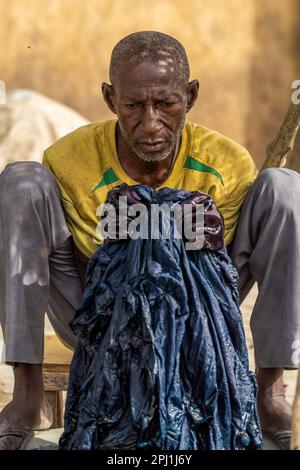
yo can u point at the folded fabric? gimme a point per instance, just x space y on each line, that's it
162 359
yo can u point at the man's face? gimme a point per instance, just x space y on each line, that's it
150 103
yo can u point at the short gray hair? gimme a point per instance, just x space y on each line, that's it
149 46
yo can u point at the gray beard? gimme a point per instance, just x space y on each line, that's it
153 157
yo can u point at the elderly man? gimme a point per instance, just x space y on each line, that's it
48 223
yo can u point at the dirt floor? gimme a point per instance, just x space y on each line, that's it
290 376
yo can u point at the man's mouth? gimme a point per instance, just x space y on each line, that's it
152 146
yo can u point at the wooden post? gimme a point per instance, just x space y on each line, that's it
283 143
56 403
56 376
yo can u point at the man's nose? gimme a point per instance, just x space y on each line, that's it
150 121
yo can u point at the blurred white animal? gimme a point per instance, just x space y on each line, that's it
30 122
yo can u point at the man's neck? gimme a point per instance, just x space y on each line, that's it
149 173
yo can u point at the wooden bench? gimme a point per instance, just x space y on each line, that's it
56 376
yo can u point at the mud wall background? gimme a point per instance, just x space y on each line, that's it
246 54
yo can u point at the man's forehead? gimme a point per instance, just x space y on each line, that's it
162 73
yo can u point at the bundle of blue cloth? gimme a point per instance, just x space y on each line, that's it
162 360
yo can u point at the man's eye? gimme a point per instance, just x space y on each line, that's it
166 104
133 105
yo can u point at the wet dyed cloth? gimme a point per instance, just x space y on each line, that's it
162 359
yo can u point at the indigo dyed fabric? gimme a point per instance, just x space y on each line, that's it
162 360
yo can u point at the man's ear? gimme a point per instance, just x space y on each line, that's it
109 96
192 94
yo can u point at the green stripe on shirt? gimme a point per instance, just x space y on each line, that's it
193 164
109 176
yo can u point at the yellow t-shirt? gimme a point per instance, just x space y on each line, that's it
86 166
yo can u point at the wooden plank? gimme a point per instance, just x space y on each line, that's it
54 368
55 381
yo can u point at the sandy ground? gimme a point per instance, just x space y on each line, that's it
290 376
